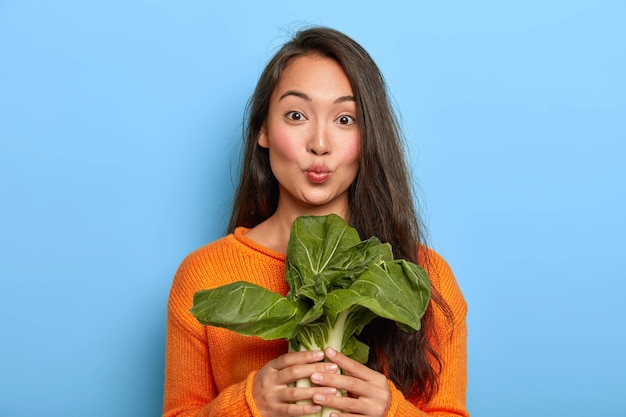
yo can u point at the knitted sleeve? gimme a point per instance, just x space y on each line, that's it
451 341
190 388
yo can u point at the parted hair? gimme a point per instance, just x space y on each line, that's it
381 198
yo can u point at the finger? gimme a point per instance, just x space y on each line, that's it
350 366
352 406
377 387
297 394
347 383
297 372
296 358
346 404
301 409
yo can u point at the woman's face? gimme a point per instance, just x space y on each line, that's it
312 136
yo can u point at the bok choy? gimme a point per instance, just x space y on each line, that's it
338 284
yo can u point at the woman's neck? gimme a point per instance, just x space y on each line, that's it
274 232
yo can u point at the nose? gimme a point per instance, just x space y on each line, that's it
319 143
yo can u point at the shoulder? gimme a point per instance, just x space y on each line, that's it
206 267
197 269
203 268
230 258
211 265
201 258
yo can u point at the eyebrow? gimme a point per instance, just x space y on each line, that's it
304 96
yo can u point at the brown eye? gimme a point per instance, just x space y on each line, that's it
295 116
345 120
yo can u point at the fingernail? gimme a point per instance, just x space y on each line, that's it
316 377
332 367
316 408
330 391
331 352
318 354
319 398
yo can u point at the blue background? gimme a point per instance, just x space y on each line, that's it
120 124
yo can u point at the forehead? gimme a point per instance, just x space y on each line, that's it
314 73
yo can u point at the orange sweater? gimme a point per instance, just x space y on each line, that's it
209 371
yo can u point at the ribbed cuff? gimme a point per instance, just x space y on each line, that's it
396 397
249 399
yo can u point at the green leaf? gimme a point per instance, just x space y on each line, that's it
325 253
314 336
396 290
357 350
338 284
316 251
248 309
358 318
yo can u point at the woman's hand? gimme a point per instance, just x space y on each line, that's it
369 393
271 391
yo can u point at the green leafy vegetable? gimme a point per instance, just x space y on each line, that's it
338 284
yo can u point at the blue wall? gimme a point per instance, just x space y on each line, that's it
119 129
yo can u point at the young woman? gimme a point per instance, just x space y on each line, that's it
321 138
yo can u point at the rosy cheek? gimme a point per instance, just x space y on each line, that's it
356 150
352 149
283 143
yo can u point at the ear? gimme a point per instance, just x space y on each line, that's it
262 140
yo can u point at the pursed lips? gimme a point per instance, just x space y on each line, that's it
317 173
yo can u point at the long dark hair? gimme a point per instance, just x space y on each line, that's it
381 198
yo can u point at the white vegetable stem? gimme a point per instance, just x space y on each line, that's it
335 341
335 335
